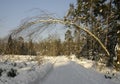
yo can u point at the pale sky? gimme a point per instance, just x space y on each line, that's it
13 11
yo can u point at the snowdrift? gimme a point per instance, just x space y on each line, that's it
28 74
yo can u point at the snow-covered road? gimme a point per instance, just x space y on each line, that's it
69 72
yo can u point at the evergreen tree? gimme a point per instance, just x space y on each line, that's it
68 42
10 45
68 36
31 48
99 16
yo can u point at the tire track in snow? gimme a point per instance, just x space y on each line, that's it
40 79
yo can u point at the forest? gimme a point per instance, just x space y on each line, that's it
92 31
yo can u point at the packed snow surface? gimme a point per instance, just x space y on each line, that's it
70 72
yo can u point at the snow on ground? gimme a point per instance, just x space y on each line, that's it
56 70
70 71
23 72
89 64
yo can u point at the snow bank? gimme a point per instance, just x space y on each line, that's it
28 74
84 62
19 58
33 75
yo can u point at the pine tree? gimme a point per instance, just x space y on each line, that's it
31 47
68 42
101 17
10 45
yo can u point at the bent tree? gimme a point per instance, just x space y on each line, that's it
48 21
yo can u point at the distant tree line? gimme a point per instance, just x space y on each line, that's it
17 47
53 46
